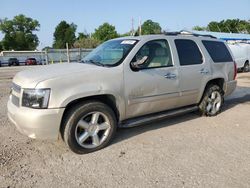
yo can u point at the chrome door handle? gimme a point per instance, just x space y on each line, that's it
170 76
204 71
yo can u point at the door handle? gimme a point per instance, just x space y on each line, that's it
170 76
204 71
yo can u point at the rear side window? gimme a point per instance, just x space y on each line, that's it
218 51
188 52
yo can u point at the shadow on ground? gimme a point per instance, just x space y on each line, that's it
126 133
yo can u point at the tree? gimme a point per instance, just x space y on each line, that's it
46 48
150 27
18 33
105 32
82 36
229 26
86 43
64 33
198 28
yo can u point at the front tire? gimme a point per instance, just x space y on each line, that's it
89 127
246 67
212 101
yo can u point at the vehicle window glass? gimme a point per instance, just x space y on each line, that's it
158 53
111 53
218 51
188 52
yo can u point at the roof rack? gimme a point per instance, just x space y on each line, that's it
183 32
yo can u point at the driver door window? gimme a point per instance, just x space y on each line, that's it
158 55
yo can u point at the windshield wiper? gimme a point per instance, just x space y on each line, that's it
94 62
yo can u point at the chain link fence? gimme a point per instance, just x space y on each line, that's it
49 56
62 55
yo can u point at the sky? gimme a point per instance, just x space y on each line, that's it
87 15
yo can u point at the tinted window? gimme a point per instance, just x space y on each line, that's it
157 52
218 51
188 52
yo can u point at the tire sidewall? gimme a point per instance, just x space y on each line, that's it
203 105
76 114
246 67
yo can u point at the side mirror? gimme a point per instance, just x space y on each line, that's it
138 64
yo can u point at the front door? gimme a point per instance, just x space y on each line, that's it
154 86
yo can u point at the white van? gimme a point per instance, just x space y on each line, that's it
241 53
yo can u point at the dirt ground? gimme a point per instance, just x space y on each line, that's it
184 151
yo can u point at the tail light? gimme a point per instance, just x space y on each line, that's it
235 70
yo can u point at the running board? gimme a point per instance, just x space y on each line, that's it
157 116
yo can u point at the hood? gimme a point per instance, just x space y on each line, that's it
31 77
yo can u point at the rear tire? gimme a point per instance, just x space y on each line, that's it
246 67
212 101
88 127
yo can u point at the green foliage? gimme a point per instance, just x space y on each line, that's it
46 48
18 33
198 28
86 43
64 33
150 27
229 25
125 34
105 32
82 36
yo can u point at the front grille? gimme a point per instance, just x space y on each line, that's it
16 88
15 100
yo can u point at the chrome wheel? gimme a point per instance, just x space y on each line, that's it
246 67
92 130
214 102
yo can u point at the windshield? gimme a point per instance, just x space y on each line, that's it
110 53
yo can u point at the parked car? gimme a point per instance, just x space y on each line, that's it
13 61
124 82
241 53
0 63
31 61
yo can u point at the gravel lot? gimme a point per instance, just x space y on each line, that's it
185 151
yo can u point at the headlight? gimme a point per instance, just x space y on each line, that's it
36 98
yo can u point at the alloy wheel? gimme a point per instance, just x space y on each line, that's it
92 130
214 103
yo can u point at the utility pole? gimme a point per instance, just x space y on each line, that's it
140 30
67 46
228 29
132 27
237 30
218 28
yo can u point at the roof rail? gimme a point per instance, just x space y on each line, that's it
183 32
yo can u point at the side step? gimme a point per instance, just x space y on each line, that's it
156 116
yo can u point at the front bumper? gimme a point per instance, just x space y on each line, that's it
230 87
36 123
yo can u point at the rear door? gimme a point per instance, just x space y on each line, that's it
194 70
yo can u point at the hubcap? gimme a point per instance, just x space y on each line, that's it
246 68
214 103
92 130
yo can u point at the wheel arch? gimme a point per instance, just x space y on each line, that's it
215 81
107 99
